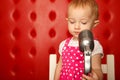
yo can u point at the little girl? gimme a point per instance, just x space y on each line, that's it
82 15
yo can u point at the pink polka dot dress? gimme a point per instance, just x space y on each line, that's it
72 62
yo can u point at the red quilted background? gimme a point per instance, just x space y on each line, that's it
30 30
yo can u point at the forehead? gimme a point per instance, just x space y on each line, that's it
80 11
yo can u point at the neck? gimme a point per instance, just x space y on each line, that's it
75 39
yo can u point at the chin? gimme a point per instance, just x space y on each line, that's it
75 37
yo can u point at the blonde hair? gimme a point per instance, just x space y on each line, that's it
82 3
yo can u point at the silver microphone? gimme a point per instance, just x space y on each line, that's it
86 45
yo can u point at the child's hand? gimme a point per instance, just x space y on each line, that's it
91 76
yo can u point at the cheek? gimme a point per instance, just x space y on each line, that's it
70 27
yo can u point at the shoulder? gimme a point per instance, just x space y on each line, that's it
62 43
97 44
98 49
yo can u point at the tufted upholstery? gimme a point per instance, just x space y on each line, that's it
30 30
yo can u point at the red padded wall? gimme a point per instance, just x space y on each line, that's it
108 31
30 30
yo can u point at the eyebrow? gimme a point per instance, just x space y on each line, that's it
69 18
78 19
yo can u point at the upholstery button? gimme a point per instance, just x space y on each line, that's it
52 50
33 1
15 70
33 16
52 15
16 1
68 1
52 33
32 52
106 16
33 33
15 51
15 15
106 34
106 1
52 0
16 33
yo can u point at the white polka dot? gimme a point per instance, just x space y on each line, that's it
70 74
68 53
77 58
80 61
69 64
81 55
71 50
74 54
78 51
81 71
64 48
68 60
66 70
73 60
76 68
76 64
75 76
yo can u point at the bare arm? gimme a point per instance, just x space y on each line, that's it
58 69
96 66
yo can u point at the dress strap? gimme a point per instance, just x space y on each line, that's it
67 41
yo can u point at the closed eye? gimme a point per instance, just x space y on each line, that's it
84 23
72 22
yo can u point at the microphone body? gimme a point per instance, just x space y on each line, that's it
86 45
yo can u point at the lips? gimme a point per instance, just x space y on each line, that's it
76 33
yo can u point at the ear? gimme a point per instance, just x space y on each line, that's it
96 22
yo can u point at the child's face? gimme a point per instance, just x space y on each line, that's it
79 19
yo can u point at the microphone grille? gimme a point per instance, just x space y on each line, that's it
86 39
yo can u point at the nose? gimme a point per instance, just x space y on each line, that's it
77 25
